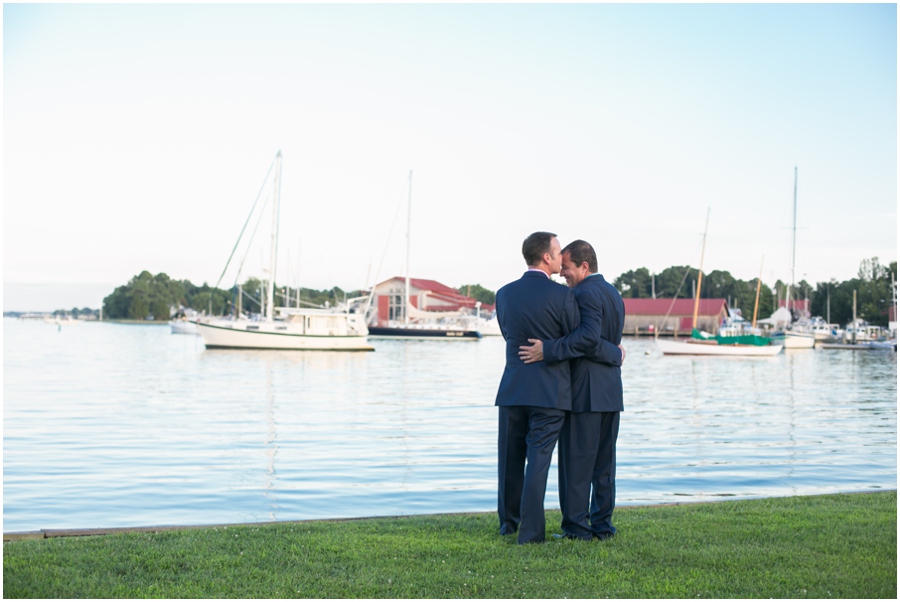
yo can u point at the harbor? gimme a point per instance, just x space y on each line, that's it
112 425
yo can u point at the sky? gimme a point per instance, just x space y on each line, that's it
137 137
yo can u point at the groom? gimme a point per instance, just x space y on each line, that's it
587 442
532 398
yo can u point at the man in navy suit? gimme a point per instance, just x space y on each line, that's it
587 442
532 398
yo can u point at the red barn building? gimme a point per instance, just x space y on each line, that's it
672 318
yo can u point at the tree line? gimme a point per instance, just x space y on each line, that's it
148 296
154 297
831 299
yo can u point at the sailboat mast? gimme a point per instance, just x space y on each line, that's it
758 283
406 300
270 295
793 245
700 274
893 308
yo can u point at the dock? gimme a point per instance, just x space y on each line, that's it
855 347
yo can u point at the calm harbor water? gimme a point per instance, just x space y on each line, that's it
108 425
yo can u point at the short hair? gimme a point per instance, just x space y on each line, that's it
535 246
580 251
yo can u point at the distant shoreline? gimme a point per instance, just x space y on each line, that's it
136 322
36 315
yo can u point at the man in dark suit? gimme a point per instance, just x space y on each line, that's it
587 442
533 398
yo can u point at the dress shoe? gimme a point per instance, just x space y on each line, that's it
569 536
508 529
603 536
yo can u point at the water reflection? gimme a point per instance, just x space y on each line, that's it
114 425
772 426
271 444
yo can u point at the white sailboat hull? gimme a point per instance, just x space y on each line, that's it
183 327
489 328
798 340
275 335
685 348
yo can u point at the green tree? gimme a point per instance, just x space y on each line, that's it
874 296
766 302
670 279
213 302
201 298
252 296
635 284
835 300
144 295
718 284
311 297
479 293
115 305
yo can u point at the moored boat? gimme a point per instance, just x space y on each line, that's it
823 331
61 320
294 328
734 338
423 325
183 326
302 329
860 331
794 340
488 327
696 347
424 331
867 346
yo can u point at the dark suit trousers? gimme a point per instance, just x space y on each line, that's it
527 436
587 460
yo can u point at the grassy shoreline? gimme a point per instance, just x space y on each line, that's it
827 546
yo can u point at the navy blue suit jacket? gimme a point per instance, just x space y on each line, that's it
596 368
535 307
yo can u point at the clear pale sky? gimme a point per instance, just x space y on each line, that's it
136 137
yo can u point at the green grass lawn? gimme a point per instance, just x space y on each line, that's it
829 546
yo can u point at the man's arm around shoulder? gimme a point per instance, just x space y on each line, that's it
585 341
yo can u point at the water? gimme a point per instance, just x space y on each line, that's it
109 425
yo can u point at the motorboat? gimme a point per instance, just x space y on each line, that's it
860 331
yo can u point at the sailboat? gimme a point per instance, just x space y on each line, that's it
725 344
794 337
418 324
286 328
